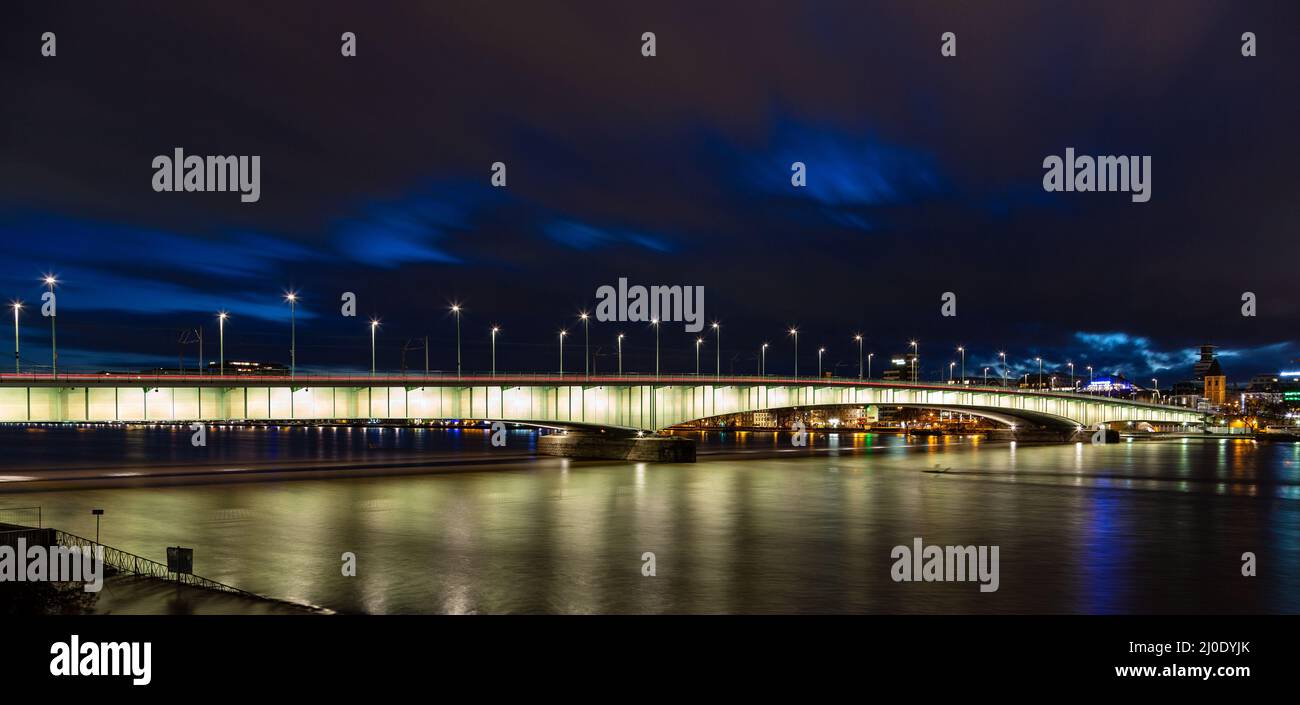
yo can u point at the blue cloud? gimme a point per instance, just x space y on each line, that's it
582 236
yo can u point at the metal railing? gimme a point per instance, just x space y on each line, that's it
138 565
7 512
115 558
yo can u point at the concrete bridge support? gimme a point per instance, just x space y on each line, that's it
603 446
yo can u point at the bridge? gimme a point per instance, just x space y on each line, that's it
622 402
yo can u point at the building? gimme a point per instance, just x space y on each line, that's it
1208 372
899 368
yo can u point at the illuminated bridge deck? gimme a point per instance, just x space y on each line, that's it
627 401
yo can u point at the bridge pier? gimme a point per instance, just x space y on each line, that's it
601 446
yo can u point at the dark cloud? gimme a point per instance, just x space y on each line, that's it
924 175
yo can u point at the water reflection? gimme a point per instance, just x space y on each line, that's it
751 528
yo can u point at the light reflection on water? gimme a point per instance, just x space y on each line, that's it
751 528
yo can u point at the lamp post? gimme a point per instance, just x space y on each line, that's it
916 362
620 353
292 298
655 322
762 361
795 333
698 343
986 376
1003 355
951 367
50 281
717 330
1071 364
962 350
455 308
1039 360
495 330
869 356
586 344
221 341
1090 378
859 339
820 352
374 324
1156 384
17 306
562 334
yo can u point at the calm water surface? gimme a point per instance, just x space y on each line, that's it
754 527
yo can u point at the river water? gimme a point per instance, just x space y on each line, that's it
442 522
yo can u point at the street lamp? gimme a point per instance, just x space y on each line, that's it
717 329
698 343
916 360
859 339
221 341
1090 378
495 330
17 306
951 367
562 334
586 344
1039 360
820 351
1071 364
50 281
655 322
374 324
795 333
1004 369
455 308
762 361
869 356
620 353
292 298
986 376
1156 384
962 350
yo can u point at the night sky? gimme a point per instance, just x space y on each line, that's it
924 176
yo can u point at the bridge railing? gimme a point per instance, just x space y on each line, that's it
410 378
